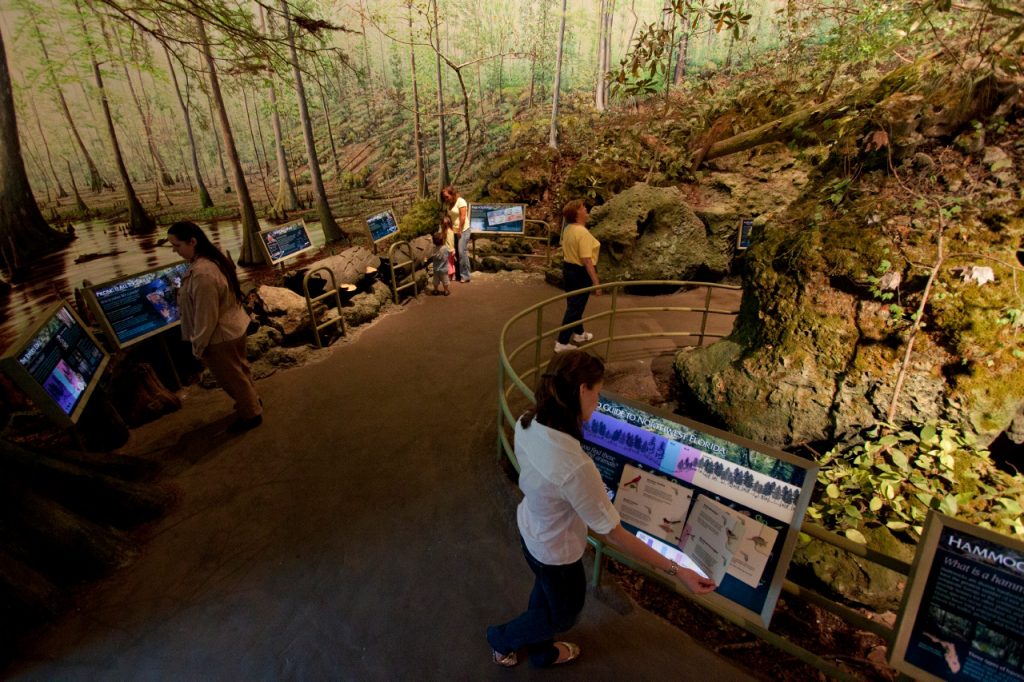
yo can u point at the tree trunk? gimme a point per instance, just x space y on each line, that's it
259 133
684 48
421 176
33 158
780 129
250 224
599 102
533 79
609 18
24 232
255 149
79 203
332 232
327 120
443 179
163 176
480 91
95 179
366 61
139 221
204 194
61 192
286 199
671 52
220 154
556 88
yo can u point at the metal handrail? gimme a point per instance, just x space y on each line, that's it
510 382
310 301
395 286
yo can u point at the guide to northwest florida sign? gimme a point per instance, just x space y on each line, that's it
711 501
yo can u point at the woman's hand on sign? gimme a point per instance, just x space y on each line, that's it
694 581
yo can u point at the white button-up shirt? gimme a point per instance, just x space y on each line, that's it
563 492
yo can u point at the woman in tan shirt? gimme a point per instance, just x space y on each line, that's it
213 319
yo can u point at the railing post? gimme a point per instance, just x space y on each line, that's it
537 349
595 575
611 323
704 315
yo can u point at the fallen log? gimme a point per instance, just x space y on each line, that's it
780 129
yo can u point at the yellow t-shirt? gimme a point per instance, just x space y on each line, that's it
578 243
454 211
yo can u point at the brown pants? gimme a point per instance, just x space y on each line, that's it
227 362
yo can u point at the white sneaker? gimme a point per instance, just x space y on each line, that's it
582 338
562 347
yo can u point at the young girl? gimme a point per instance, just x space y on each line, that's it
449 241
440 260
563 495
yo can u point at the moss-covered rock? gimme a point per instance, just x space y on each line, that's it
650 233
843 576
820 348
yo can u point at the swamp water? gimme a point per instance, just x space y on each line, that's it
57 275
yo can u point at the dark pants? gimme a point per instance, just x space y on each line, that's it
230 368
576 277
555 604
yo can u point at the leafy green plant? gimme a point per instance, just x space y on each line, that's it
896 476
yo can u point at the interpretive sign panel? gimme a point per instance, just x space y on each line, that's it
963 612
285 241
497 218
381 225
57 363
743 237
134 308
711 501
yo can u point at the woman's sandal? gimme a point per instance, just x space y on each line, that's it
568 652
508 660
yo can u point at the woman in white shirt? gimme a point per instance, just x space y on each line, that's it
563 496
458 209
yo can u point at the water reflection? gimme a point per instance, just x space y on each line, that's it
56 274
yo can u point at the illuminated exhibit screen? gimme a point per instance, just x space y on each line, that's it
963 611
58 364
714 502
285 241
133 308
497 218
382 225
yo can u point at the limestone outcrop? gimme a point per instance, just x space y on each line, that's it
651 233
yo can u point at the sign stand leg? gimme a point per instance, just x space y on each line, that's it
170 362
77 437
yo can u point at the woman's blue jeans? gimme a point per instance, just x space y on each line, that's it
463 247
555 604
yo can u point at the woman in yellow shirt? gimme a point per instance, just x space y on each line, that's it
580 250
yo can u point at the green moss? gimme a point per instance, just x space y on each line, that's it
424 217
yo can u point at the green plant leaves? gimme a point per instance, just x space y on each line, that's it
900 473
856 536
